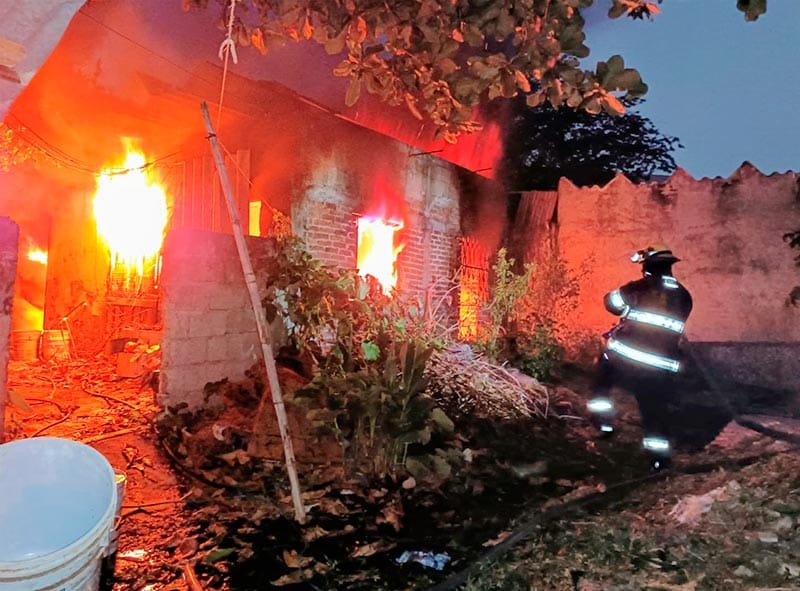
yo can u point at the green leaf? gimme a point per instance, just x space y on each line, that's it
637 90
217 555
442 421
534 100
441 467
422 436
617 10
574 99
752 9
612 105
473 36
446 65
479 69
344 68
371 350
417 469
627 78
353 92
614 66
592 106
363 289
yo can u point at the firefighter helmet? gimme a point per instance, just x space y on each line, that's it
655 253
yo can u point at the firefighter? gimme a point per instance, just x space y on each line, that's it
642 352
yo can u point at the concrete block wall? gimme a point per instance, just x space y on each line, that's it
209 325
728 233
9 238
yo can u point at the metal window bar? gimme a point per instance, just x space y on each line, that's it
474 287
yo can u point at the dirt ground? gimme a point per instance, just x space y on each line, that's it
634 544
85 401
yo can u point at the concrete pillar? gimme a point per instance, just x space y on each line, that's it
9 239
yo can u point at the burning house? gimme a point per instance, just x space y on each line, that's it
124 233
113 115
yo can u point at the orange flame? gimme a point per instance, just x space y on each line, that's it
37 255
378 249
131 213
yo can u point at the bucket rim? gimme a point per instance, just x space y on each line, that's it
95 533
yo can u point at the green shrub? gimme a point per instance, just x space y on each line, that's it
539 353
369 353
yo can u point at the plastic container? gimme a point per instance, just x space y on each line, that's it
24 345
59 501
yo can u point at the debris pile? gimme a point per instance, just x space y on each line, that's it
463 379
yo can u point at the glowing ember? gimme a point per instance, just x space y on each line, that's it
377 251
37 255
131 214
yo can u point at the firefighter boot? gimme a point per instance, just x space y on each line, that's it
602 414
658 452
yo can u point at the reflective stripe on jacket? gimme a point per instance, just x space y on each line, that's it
653 313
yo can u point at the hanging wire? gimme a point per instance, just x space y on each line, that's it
61 158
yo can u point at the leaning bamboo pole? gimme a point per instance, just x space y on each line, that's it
261 321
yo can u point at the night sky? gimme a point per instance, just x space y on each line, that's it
729 89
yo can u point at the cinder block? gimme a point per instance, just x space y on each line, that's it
176 324
209 324
218 348
187 296
240 320
183 352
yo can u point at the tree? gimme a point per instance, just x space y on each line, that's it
443 57
545 144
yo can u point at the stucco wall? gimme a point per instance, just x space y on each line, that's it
209 325
727 231
9 236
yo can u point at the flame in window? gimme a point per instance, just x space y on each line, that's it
131 213
378 248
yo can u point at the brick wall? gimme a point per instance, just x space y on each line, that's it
421 189
330 232
209 329
209 325
9 236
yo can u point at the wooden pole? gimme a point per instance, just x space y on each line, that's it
261 320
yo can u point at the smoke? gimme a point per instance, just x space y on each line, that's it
483 210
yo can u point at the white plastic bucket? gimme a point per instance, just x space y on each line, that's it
58 500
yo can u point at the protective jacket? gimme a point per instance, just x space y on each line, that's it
653 311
